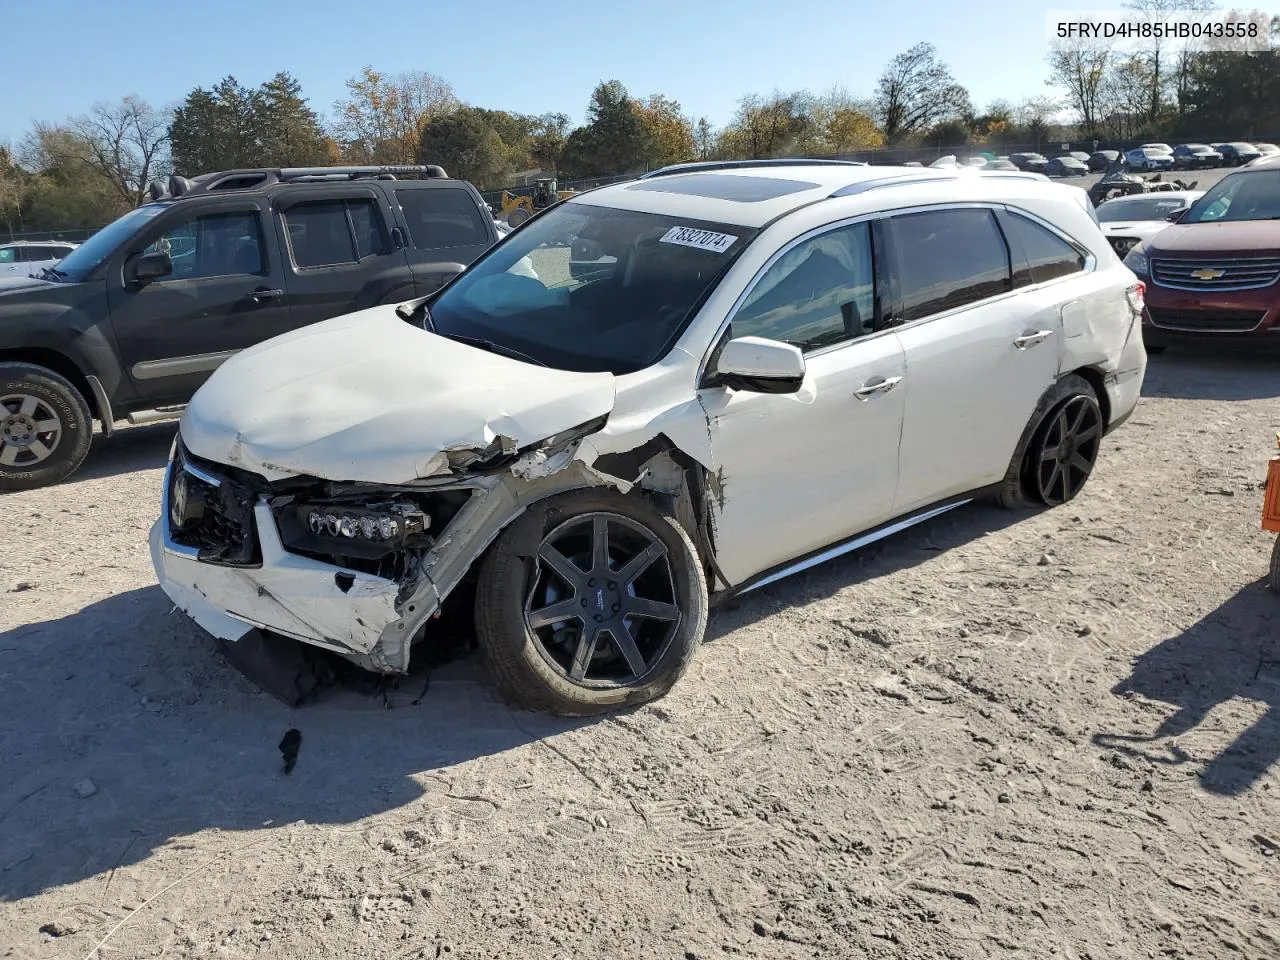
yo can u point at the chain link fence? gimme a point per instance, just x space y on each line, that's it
78 235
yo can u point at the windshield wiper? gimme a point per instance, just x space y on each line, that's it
47 273
501 349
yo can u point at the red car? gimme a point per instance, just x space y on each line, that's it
1212 274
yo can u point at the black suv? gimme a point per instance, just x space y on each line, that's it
135 319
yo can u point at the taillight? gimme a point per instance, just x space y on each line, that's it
1137 297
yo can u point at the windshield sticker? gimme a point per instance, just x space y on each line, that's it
700 239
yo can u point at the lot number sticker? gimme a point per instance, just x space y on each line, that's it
700 239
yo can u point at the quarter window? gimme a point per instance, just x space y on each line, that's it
324 233
440 217
820 292
213 245
1047 256
948 258
9 255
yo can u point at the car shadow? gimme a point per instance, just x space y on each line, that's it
1232 652
144 447
899 552
1214 372
122 728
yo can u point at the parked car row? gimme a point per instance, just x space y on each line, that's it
1212 272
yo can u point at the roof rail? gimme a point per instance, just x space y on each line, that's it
738 164
934 175
255 177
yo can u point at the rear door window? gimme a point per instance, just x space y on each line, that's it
325 233
442 217
948 258
1046 256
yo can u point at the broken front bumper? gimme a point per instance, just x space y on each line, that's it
347 611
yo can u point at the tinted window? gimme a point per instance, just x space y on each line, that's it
441 217
1139 208
214 245
818 293
947 258
1047 255
323 233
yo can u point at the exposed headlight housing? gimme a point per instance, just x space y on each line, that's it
368 528
395 524
1136 260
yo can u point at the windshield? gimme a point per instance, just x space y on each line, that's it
79 263
1242 196
1146 208
589 288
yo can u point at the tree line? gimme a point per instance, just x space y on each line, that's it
84 171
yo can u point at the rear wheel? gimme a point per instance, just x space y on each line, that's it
45 427
1274 581
588 602
1058 450
517 216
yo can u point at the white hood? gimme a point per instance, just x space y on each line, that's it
369 397
1142 229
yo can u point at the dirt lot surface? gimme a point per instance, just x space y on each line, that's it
1047 735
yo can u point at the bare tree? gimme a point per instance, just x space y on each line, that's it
915 92
381 119
1082 71
1186 59
127 142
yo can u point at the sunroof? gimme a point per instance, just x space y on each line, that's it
725 186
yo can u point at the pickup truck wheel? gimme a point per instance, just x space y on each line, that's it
1274 580
45 427
588 602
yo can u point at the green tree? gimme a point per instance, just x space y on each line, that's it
233 126
669 132
614 140
466 145
764 127
1235 92
547 140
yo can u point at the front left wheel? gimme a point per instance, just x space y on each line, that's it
590 601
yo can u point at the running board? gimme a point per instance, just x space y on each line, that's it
154 416
855 544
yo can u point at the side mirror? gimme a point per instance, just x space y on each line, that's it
152 266
758 365
1177 215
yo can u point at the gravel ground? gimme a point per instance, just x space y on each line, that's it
1043 735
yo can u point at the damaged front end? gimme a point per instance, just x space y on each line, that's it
356 568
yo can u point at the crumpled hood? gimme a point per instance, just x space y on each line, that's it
369 397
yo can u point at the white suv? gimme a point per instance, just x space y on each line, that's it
28 257
764 368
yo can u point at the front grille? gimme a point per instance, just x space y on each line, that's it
1122 245
1206 321
211 511
1241 274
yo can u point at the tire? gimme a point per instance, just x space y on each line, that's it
1274 580
517 217
32 397
1029 481
549 666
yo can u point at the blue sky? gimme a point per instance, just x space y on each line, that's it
531 56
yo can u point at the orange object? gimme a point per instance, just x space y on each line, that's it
1271 499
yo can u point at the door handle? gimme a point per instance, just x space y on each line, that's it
258 296
1031 339
883 385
